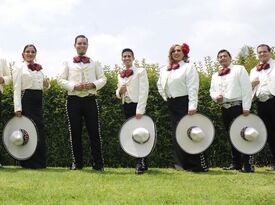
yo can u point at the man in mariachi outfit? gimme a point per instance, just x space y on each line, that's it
5 78
262 78
82 77
231 87
133 88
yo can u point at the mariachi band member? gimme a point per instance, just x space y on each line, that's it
178 84
28 85
133 88
262 78
231 87
5 78
82 78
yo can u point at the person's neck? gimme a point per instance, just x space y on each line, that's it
128 67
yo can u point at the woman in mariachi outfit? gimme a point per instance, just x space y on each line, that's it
29 82
178 84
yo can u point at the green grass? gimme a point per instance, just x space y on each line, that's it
122 186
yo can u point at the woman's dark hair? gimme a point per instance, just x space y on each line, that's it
29 45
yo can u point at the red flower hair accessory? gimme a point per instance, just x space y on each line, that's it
185 49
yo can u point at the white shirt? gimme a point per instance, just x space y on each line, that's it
180 82
75 73
24 78
233 86
137 88
5 73
266 78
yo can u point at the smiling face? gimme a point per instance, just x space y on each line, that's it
264 54
127 59
224 59
177 54
81 46
29 54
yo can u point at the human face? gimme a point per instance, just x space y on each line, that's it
263 54
177 54
81 46
29 54
127 59
224 59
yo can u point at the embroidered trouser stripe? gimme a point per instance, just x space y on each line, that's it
79 109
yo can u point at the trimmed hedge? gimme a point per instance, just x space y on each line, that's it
59 153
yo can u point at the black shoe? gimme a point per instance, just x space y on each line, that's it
139 169
232 167
271 169
75 167
99 169
248 169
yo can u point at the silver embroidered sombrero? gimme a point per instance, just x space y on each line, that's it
138 136
20 137
248 134
195 133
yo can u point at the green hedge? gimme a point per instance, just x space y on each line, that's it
111 120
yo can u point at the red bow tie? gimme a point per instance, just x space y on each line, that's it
35 66
262 66
224 71
83 59
126 73
173 66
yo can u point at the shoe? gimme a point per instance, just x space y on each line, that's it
75 167
1 166
232 167
271 169
99 169
178 167
248 169
139 169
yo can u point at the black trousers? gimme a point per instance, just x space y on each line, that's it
130 111
266 111
32 108
228 116
79 109
178 108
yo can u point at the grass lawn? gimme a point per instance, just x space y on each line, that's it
122 186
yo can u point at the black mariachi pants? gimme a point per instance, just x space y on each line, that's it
79 108
266 111
130 111
178 108
228 116
32 108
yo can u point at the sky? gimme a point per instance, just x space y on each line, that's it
149 27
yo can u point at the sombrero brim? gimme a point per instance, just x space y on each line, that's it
25 151
203 123
129 145
243 146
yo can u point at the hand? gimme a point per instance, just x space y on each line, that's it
219 99
122 89
78 87
139 116
2 80
88 86
46 82
255 82
246 112
18 113
192 112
